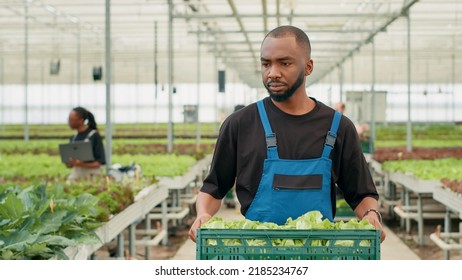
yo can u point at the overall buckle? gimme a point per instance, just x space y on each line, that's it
271 140
330 139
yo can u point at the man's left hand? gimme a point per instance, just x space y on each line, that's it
374 220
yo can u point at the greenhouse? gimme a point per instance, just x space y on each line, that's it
231 130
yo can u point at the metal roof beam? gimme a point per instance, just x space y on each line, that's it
317 51
406 6
307 31
265 13
342 42
241 25
278 12
312 15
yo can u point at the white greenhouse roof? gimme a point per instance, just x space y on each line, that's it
232 31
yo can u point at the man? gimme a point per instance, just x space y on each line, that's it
286 152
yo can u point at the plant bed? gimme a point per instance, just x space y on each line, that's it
120 147
152 197
449 198
27 168
453 185
435 170
400 153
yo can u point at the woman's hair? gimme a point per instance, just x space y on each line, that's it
86 116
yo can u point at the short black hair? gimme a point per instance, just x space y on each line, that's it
286 31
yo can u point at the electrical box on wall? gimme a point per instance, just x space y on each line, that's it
55 66
221 80
190 113
97 73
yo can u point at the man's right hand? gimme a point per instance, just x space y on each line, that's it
197 224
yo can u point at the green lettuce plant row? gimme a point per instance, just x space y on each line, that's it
436 169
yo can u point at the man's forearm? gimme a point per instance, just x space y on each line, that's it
366 204
207 204
369 206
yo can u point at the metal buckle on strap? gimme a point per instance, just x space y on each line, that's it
330 138
271 140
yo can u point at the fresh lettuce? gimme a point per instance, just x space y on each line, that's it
309 221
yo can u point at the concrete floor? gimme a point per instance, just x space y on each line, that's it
392 248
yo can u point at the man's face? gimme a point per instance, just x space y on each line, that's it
74 120
284 66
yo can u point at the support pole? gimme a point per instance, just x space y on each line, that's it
223 100
2 92
26 70
409 124
156 80
215 98
278 11
198 95
42 76
352 71
340 81
78 64
372 107
108 86
137 94
453 79
330 91
170 77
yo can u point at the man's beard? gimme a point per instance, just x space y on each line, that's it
281 97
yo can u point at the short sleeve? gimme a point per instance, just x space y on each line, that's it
222 174
98 148
354 179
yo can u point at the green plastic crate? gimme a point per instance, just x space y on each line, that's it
270 252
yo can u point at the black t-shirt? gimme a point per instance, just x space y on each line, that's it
241 150
96 143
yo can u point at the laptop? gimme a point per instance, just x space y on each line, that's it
80 150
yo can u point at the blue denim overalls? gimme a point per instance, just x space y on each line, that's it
290 188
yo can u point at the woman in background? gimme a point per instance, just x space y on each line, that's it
84 123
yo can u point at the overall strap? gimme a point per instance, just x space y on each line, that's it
271 143
331 135
90 135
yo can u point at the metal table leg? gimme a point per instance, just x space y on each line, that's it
403 201
407 203
131 240
392 195
164 222
447 229
420 220
176 203
120 245
147 225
